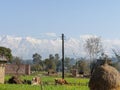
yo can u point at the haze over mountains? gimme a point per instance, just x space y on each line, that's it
25 47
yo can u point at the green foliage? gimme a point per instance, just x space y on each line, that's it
6 52
37 58
38 64
52 62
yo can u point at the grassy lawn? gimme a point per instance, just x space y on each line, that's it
44 87
76 84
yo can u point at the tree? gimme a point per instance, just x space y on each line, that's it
38 63
117 54
6 52
51 57
93 47
37 58
51 62
117 63
17 61
47 63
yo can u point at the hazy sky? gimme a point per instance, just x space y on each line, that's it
71 17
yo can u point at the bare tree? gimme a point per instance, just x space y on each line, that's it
17 61
117 56
93 47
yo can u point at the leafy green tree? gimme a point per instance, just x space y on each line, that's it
47 64
6 52
50 63
51 57
38 63
37 58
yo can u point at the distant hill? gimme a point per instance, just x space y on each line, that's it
26 47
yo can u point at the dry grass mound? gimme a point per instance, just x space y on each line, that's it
105 77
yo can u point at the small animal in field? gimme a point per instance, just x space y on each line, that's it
60 81
36 81
15 80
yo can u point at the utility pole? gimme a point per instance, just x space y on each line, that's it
62 56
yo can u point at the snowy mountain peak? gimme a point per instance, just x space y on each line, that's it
26 47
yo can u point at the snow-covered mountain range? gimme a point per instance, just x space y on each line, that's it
74 47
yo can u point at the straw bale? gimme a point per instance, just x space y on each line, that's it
105 77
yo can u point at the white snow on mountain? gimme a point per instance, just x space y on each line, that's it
74 47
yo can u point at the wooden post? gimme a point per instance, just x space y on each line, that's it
62 56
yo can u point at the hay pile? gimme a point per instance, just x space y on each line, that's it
105 77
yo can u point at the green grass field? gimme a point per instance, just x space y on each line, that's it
76 84
46 87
